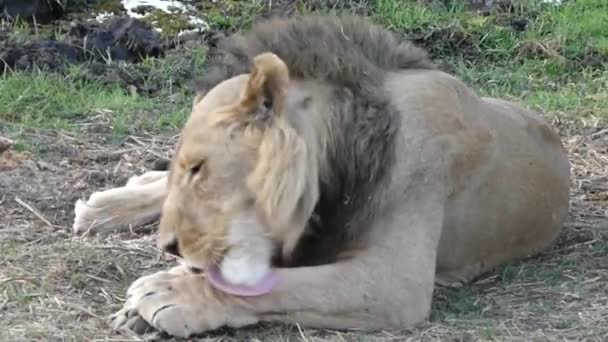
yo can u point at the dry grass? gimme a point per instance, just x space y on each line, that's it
58 287
55 286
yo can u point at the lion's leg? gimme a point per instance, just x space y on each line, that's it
389 285
135 204
355 295
146 178
359 293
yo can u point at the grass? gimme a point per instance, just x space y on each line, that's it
567 77
63 266
550 58
556 65
52 101
152 96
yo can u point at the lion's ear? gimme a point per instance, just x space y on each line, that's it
267 85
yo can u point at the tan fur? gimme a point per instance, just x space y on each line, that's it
476 182
133 205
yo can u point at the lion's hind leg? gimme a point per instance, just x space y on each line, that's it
137 203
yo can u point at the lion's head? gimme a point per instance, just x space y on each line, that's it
291 120
242 180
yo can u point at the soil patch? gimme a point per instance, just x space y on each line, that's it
110 53
48 187
46 11
78 281
121 38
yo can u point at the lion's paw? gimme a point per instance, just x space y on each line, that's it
88 217
176 302
137 203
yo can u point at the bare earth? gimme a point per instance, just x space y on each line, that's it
58 287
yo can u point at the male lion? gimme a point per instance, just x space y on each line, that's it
329 175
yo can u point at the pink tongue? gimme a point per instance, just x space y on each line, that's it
215 278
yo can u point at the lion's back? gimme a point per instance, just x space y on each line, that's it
507 173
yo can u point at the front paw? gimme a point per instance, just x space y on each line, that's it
178 303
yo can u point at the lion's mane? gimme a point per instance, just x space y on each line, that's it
354 57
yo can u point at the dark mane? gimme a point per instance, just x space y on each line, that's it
354 56
348 51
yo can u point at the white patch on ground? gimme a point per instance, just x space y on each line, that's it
158 4
102 16
169 6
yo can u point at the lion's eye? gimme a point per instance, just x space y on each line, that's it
197 168
267 103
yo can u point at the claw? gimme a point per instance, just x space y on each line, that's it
141 327
132 313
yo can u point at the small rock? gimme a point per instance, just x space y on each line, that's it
5 144
31 165
519 24
161 164
95 176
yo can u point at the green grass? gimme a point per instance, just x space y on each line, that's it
556 65
54 102
232 15
153 96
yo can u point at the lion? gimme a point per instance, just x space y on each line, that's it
331 175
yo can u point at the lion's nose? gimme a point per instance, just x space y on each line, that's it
172 248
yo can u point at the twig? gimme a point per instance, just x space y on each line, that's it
35 22
35 212
137 140
114 155
29 280
597 134
5 144
98 278
3 304
301 333
84 310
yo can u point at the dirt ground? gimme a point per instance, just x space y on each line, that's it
57 286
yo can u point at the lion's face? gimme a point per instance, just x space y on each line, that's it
235 180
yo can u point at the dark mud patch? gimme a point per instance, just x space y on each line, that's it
43 11
110 53
46 11
174 71
122 38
